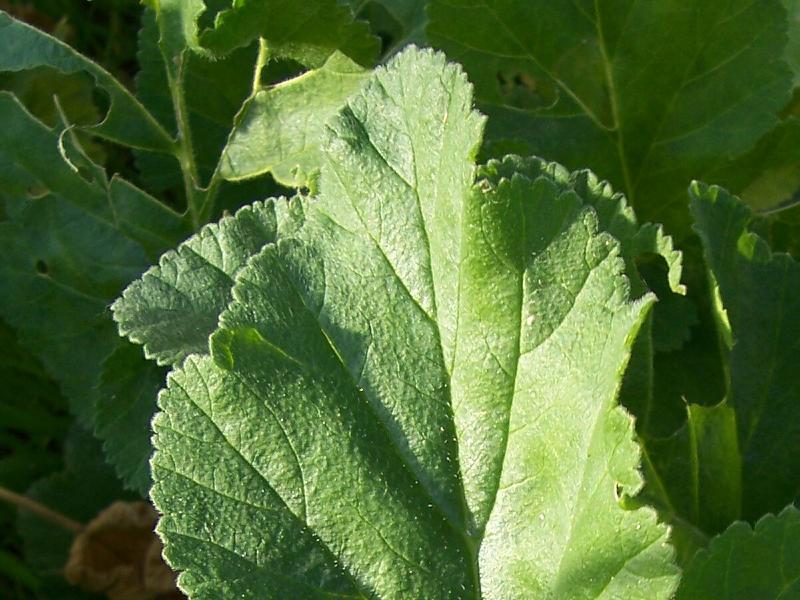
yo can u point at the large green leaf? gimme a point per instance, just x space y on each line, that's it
127 121
413 394
746 563
648 94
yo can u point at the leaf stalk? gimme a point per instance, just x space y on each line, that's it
41 510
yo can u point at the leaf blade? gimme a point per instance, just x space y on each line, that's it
330 383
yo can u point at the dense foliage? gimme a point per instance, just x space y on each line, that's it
311 291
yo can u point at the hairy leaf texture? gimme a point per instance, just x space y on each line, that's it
413 393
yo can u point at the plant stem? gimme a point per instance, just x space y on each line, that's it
206 206
261 61
37 508
185 150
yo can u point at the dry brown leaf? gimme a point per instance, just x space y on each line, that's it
118 554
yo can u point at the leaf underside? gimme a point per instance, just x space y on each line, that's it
413 391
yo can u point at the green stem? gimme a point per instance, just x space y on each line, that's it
211 195
206 207
41 510
261 61
195 198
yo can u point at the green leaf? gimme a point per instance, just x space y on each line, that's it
413 394
126 401
648 94
209 117
307 32
614 214
177 24
173 308
67 247
793 46
729 461
768 176
126 122
280 129
745 563
406 21
758 326
277 125
694 476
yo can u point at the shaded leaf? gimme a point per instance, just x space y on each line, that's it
648 95
745 563
126 401
694 476
759 329
127 122
308 33
69 245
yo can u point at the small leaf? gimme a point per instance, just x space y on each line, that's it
280 129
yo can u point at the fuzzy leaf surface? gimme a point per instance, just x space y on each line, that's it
417 366
175 305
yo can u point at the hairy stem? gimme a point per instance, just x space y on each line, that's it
261 61
195 198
